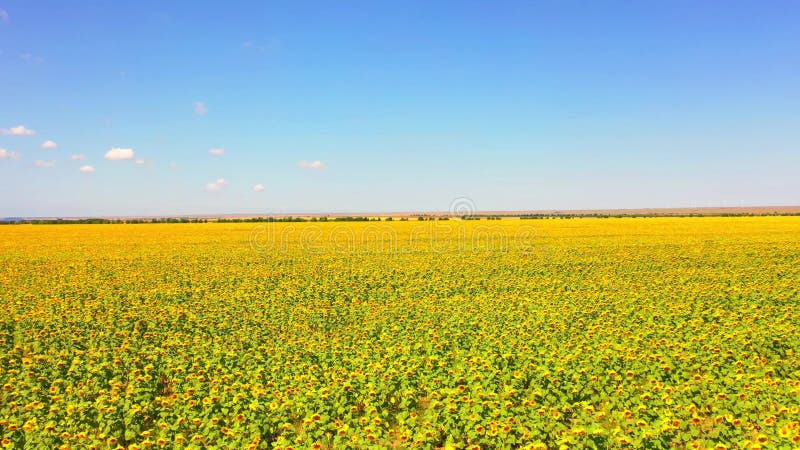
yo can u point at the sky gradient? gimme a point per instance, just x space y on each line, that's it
292 106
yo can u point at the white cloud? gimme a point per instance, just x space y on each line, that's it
139 161
40 163
311 165
49 145
87 169
76 157
19 130
3 16
258 188
5 154
200 108
118 154
216 186
217 151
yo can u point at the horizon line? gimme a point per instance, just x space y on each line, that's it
508 213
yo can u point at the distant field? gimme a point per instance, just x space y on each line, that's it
657 332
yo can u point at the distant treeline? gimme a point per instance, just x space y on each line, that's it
100 221
649 215
302 219
15 220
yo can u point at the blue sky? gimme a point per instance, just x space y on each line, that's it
396 106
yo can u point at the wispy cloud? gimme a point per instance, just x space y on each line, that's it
259 187
200 108
217 151
4 16
271 44
6 154
119 154
19 130
77 157
216 186
140 161
250 45
40 163
86 169
49 145
27 57
316 165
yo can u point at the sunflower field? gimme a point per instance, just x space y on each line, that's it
579 333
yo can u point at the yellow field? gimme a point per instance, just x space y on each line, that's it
660 332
